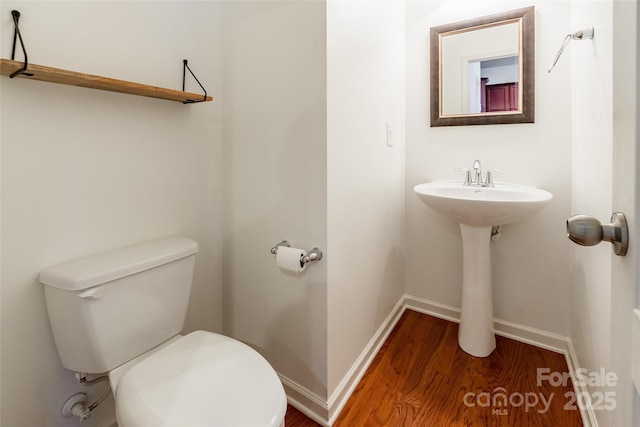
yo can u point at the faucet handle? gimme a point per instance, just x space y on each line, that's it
489 180
467 178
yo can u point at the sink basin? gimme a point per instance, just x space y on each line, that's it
483 206
477 210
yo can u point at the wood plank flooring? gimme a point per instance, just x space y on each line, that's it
421 377
295 418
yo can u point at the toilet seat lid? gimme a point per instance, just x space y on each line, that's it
201 379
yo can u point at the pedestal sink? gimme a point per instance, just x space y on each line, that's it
477 209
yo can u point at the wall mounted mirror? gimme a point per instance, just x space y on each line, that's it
483 70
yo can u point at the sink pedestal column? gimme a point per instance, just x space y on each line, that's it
475 334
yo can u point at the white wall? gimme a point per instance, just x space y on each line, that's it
531 278
365 91
274 113
84 171
501 74
605 133
306 104
605 118
626 135
591 64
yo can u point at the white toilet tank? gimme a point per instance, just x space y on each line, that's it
109 308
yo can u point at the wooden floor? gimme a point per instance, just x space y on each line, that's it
421 377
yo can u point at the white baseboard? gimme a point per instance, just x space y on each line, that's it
435 309
348 384
326 412
514 331
587 414
307 402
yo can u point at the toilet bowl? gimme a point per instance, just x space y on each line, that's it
120 313
201 379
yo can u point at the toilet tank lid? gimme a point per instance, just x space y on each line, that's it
105 267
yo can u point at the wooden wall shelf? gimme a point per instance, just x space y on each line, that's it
72 78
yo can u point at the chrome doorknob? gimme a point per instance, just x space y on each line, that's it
585 230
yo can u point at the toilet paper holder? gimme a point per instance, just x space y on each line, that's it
313 255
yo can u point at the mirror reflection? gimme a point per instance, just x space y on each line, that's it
482 70
498 89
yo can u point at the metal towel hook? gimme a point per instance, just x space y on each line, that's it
579 35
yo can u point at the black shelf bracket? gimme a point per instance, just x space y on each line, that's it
184 78
18 37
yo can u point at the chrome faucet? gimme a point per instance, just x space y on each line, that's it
475 180
477 174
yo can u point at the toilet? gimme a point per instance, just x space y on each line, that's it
121 313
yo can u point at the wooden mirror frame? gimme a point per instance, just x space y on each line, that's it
527 50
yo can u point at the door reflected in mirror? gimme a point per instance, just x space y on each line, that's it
475 64
498 88
482 70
